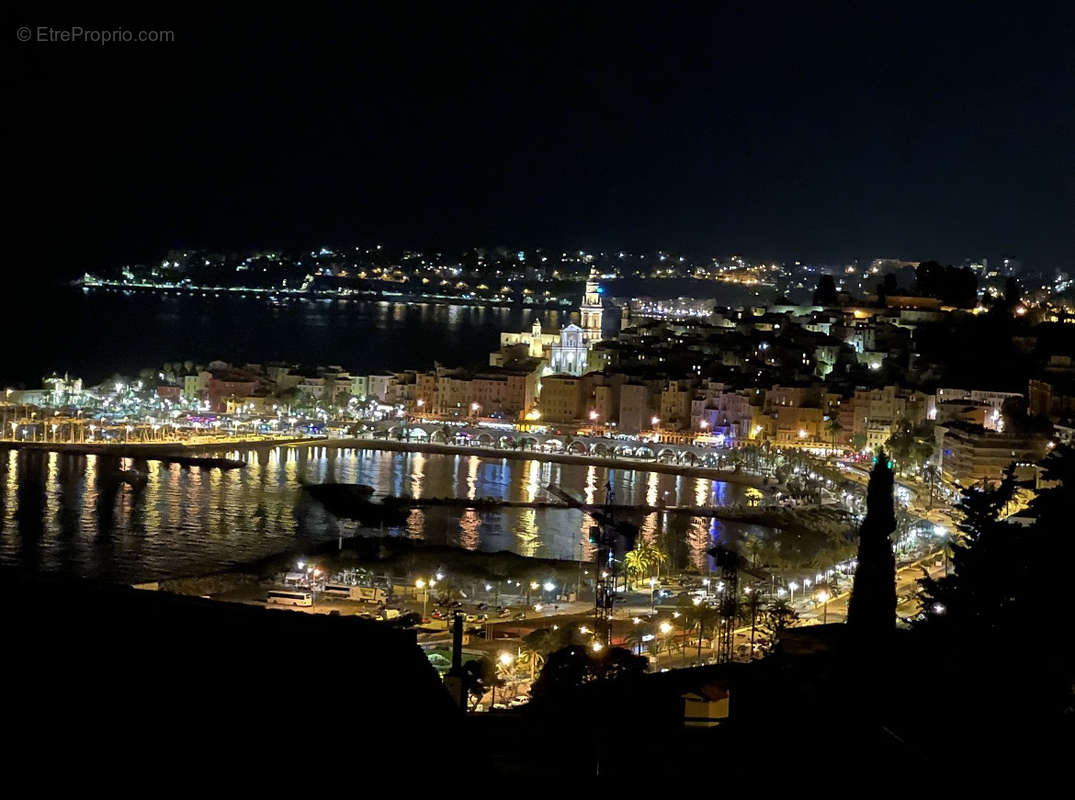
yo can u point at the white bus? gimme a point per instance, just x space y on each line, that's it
363 594
337 590
290 597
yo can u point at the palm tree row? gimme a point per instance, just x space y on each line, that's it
646 559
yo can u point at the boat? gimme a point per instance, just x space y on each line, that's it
133 477
353 501
206 462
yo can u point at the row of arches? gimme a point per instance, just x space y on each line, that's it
555 443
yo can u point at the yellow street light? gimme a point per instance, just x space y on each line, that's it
823 597
506 658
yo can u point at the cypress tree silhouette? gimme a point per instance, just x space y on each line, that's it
872 609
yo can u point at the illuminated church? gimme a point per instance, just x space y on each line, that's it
570 356
568 352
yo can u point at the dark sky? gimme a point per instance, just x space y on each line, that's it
822 135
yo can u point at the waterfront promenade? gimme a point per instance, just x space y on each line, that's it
155 450
614 462
229 444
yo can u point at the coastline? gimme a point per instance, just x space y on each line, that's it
727 476
151 450
154 450
287 295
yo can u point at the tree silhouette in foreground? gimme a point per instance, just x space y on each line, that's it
1003 616
825 293
872 608
479 677
1006 576
573 666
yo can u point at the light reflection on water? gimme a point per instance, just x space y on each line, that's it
69 514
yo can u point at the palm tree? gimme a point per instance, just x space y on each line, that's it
538 644
637 562
448 592
657 557
684 620
706 619
636 636
834 430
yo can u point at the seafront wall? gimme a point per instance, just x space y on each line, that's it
153 450
729 476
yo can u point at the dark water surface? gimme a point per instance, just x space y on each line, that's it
65 514
99 333
96 334
68 514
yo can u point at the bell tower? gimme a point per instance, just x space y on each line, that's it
592 310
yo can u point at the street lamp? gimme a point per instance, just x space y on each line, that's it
665 628
421 585
942 533
504 660
823 597
652 584
793 586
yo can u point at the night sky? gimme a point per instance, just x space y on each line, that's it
822 136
